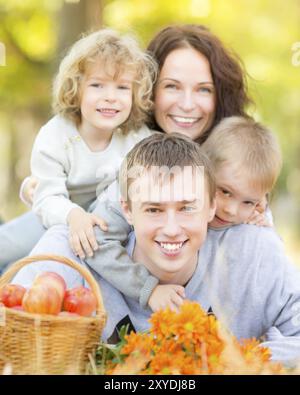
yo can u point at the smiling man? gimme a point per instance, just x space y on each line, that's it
240 273
170 214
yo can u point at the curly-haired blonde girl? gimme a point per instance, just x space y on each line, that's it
115 55
101 98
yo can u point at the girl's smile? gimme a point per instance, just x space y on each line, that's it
106 102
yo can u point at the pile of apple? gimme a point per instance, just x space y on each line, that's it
49 295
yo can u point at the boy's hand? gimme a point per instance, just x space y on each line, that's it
82 236
258 219
262 205
168 295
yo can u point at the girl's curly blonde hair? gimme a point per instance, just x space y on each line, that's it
117 53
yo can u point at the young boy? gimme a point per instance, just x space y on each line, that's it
247 161
240 273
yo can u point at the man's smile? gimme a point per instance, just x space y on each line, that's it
171 248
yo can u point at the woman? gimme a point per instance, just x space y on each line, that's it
199 83
198 79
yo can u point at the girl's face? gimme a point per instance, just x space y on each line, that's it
105 101
185 99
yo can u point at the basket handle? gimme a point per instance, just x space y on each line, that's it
13 270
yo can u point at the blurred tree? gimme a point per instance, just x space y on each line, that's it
34 44
76 18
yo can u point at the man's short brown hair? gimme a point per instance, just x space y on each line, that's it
166 151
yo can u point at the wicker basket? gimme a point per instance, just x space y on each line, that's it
48 344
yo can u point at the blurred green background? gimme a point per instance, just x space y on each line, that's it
34 35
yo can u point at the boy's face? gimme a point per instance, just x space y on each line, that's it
236 197
170 220
105 102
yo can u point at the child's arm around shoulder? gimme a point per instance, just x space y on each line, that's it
111 260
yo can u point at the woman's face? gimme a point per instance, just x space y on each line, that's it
185 99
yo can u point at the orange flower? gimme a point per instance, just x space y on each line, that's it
191 342
162 323
252 350
138 342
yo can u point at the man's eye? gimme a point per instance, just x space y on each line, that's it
187 208
152 210
248 203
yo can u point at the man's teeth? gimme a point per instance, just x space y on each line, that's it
185 119
171 247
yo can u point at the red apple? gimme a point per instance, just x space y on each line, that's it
42 298
80 300
54 279
12 295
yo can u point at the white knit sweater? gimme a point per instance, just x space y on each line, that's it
69 173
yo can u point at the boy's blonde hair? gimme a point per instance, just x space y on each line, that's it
169 151
117 53
248 145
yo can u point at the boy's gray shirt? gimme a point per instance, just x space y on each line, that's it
252 294
111 261
243 276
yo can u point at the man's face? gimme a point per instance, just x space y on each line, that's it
170 220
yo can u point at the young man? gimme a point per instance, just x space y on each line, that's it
241 274
246 161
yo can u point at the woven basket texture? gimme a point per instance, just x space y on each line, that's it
48 344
